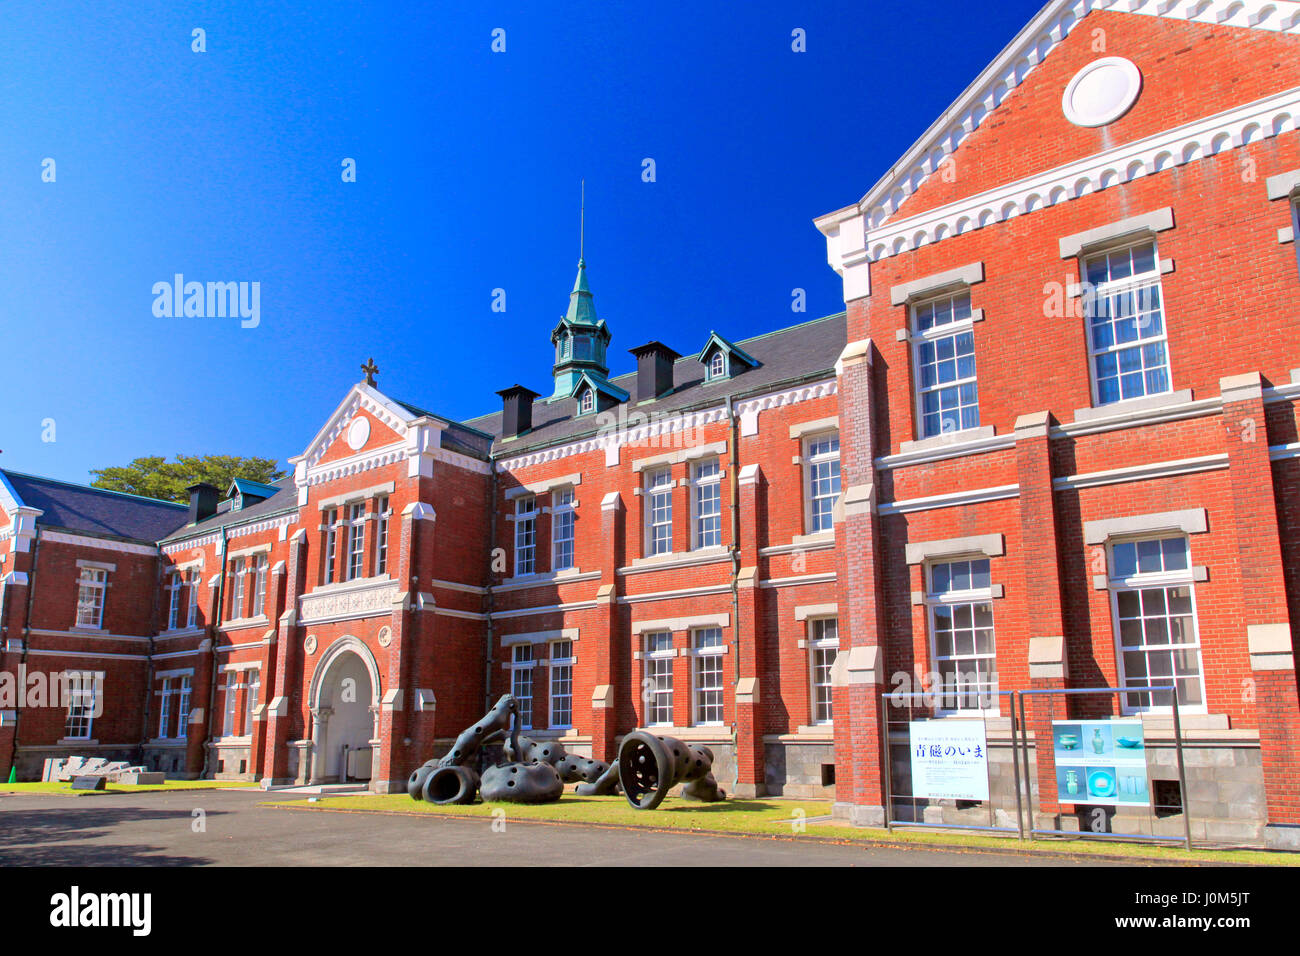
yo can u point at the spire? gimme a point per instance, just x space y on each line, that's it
582 305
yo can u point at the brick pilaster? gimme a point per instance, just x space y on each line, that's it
284 702
1264 610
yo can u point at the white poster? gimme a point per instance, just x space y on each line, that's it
949 760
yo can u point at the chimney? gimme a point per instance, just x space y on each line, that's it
203 501
654 370
516 410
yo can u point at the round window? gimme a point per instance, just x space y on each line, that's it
1102 92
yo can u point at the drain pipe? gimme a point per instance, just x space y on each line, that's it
492 546
27 640
733 484
216 636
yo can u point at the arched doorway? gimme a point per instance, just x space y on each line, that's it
344 700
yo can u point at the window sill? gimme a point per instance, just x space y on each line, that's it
88 628
236 623
1132 406
693 733
948 440
78 742
678 559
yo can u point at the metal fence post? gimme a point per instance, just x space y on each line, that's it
889 778
1029 779
1015 764
1182 772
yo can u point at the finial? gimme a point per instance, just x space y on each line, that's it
582 221
371 370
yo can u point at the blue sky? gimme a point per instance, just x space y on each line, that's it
226 166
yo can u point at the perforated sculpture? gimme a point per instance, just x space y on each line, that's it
535 771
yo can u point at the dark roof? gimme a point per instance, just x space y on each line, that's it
284 499
96 511
786 355
457 436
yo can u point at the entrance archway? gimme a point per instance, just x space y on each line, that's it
344 700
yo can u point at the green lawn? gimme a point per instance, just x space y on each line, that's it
66 788
774 818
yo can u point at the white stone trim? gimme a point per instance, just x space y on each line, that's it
962 276
1158 220
1133 408
1270 647
992 545
540 637
1283 185
1209 136
250 551
817 426
677 457
679 593
683 559
542 487
545 579
679 624
352 497
97 565
955 499
1189 521
958 445
1155 469
966 437
982 98
804 611
103 544
795 580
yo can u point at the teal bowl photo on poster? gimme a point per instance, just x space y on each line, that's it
1101 783
1130 743
1068 741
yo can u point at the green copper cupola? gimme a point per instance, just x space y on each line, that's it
580 339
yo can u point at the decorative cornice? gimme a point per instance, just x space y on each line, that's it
969 497
1231 129
1013 66
104 544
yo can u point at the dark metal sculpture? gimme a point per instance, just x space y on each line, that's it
535 771
650 766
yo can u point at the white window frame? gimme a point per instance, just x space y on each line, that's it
525 536
174 601
260 567
81 698
955 599
936 333
1144 581
192 614
657 663
563 521
815 463
656 491
253 685
707 660
183 706
164 708
562 661
356 567
717 365
331 544
1092 294
522 662
586 400
233 686
237 569
381 536
706 526
92 595
821 709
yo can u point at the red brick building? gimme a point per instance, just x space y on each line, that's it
1070 455
1069 461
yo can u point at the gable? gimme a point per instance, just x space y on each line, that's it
362 432
1189 71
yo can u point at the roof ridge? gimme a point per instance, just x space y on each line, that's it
103 491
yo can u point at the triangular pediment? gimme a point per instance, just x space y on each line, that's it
978 144
385 422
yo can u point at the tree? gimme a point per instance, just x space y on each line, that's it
153 476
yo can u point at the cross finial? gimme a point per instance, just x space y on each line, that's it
582 219
371 370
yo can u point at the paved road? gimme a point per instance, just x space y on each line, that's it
157 829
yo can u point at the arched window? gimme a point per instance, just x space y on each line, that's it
586 401
717 365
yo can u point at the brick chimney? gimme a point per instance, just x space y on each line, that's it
516 410
654 370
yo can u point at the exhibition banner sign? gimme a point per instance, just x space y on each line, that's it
949 759
1100 762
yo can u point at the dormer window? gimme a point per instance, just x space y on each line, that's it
717 365
586 401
